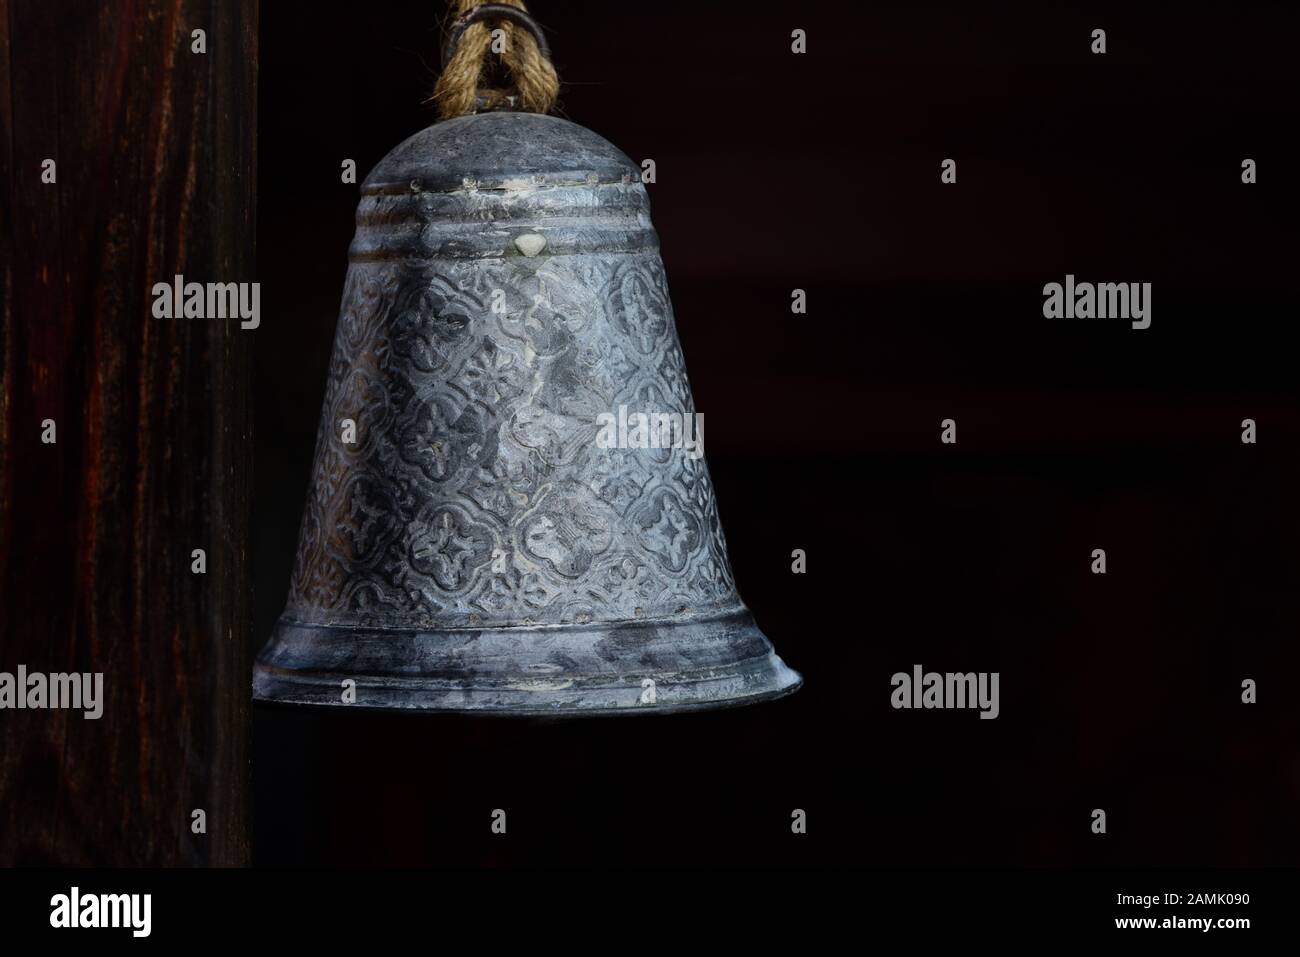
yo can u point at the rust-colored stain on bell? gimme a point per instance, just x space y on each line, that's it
485 538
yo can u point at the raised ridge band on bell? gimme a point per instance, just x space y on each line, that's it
472 242
484 206
573 220
516 185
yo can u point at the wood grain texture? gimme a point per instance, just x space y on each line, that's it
155 147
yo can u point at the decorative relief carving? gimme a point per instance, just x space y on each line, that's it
476 493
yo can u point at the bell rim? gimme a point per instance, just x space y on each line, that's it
679 666
262 699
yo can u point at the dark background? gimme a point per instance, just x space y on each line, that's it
821 172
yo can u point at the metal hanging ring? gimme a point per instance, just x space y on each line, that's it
493 11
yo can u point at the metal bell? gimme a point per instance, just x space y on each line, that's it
484 532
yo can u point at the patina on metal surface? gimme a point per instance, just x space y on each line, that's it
475 548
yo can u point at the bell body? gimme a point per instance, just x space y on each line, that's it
478 536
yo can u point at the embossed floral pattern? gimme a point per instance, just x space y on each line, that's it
429 322
668 529
448 547
640 306
477 494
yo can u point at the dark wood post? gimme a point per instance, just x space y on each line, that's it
153 148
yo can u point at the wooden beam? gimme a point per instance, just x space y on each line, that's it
154 147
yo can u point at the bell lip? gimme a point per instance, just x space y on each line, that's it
263 698
696 664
